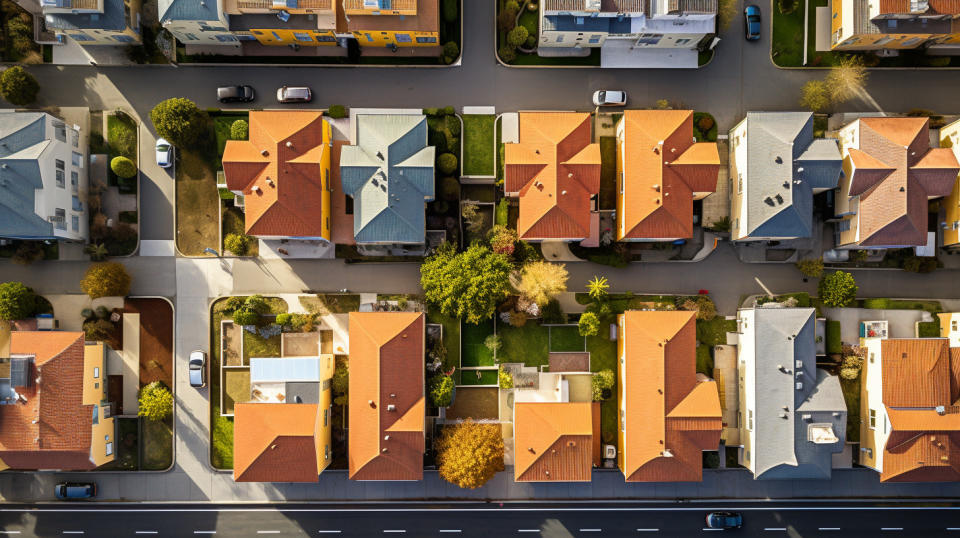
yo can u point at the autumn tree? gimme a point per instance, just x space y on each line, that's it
541 281
602 384
811 267
156 402
108 279
846 79
466 285
598 288
469 454
589 324
815 96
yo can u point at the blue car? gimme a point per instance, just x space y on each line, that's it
751 17
72 491
724 520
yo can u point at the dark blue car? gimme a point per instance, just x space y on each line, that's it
72 491
751 17
724 520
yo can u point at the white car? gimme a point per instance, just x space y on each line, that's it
198 369
609 98
164 153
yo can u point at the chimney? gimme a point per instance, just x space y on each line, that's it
563 192
289 144
264 152
531 450
384 450
255 189
273 447
386 437
391 407
373 404
270 182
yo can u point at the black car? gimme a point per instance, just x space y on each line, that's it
235 94
71 491
724 520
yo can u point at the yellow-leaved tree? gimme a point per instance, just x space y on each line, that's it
541 281
469 454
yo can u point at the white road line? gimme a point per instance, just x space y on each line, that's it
72 532
528 530
591 530
953 528
891 528
450 530
146 532
828 528
268 532
774 528
399 531
204 532
648 530
329 532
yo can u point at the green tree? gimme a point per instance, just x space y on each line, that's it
238 244
815 96
107 279
493 343
838 289
505 379
98 330
507 54
541 281
156 402
337 112
467 285
257 304
283 319
811 267
440 389
246 317
239 130
469 454
450 52
98 252
850 368
447 163
517 36
16 301
18 86
502 239
598 288
602 382
178 120
123 167
589 324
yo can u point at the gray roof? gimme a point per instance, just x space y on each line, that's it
188 10
791 394
784 165
389 174
112 18
22 141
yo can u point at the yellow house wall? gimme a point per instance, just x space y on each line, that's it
325 165
868 41
95 393
950 138
286 36
324 426
375 38
620 391
621 142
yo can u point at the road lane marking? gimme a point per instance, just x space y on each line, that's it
204 532
450 530
591 530
400 531
72 532
648 530
268 532
528 530
953 528
774 528
329 532
891 528
146 532
828 528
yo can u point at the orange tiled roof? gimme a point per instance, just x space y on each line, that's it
663 168
555 169
289 179
276 443
51 430
387 403
553 441
667 409
895 172
943 7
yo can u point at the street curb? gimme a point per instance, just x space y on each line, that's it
434 502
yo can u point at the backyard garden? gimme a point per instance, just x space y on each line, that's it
478 144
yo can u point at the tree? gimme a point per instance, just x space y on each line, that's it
492 343
16 301
601 383
123 167
302 322
469 454
28 252
850 368
246 317
597 288
811 267
257 304
156 402
505 379
283 319
507 18
517 36
467 285
98 330
589 324
107 279
541 281
337 112
18 86
98 252
450 52
553 313
450 11
239 130
341 383
237 243
702 305
846 79
502 239
178 120
472 217
447 163
815 96
440 389
838 289
506 53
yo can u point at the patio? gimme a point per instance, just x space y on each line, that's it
479 403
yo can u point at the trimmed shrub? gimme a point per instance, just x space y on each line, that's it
450 52
238 244
589 324
18 86
450 11
156 402
505 379
179 120
246 317
601 383
441 390
507 54
109 279
337 112
517 37
447 163
239 130
16 301
123 167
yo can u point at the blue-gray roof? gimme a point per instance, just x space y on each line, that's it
22 141
188 10
792 395
112 18
389 174
784 165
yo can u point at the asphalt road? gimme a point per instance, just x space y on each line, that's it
769 519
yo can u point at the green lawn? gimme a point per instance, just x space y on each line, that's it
851 393
236 388
478 142
787 44
704 360
157 444
714 332
928 329
834 343
451 337
487 377
527 344
603 356
256 346
566 338
221 127
474 352
608 172
333 303
122 136
233 223
197 203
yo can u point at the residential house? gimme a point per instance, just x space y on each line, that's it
661 170
890 172
392 23
197 22
950 223
670 31
386 396
554 171
43 178
776 167
950 327
284 433
910 421
53 402
793 416
889 26
668 414
305 23
283 174
94 22
388 174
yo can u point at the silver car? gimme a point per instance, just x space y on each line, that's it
198 369
609 98
294 94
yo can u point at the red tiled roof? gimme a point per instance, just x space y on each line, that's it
553 441
943 7
276 443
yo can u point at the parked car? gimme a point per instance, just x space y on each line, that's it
724 520
751 22
294 94
164 153
71 491
609 98
235 94
198 369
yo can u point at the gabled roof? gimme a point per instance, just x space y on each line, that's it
670 416
276 443
52 428
23 140
389 174
555 169
113 17
895 172
188 10
283 171
553 441
663 169
783 165
387 403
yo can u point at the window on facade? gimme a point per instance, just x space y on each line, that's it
191 37
649 39
594 40
74 181
277 36
96 414
109 449
96 372
326 412
326 452
123 38
953 325
80 36
912 41
348 204
60 131
369 38
223 38
560 38
739 183
682 41
403 38
623 422
76 159
873 419
426 40
302 36
326 178
620 182
750 419
60 219
75 223
77 204
325 38
61 178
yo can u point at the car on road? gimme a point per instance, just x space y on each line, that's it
235 94
294 94
198 369
751 22
72 491
164 153
609 98
724 520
